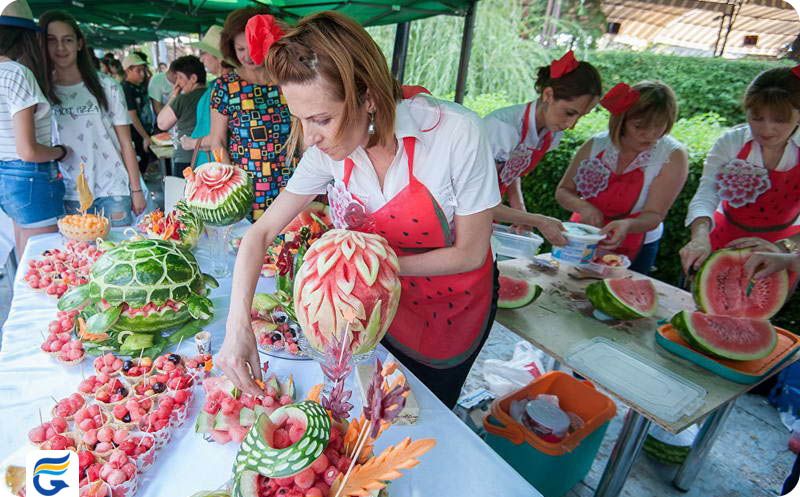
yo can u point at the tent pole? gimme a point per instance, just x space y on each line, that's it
734 13
400 51
466 48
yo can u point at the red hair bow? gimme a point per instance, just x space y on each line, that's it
261 32
620 98
564 65
796 71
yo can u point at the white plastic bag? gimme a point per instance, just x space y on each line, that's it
503 377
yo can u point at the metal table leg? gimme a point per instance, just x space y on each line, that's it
629 442
702 445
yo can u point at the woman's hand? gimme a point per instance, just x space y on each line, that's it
591 215
694 253
615 232
552 229
138 202
757 244
238 357
188 143
762 264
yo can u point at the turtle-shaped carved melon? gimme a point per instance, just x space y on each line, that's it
143 285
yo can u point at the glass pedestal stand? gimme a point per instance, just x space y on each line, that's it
218 241
320 359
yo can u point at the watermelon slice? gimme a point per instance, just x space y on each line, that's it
624 298
515 293
722 288
739 339
316 217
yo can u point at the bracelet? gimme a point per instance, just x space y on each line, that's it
137 191
63 152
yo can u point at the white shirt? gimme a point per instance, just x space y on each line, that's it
82 125
159 88
706 200
504 130
18 91
452 160
651 162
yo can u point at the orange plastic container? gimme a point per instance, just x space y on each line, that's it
538 460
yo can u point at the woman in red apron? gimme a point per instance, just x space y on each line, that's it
749 194
521 135
625 180
418 174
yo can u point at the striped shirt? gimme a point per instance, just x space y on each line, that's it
18 91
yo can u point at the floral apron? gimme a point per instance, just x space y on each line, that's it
615 195
523 159
441 320
756 202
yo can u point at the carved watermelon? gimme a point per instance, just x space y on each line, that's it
721 287
624 298
739 339
315 217
219 194
347 270
515 293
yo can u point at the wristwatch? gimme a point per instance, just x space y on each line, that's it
788 245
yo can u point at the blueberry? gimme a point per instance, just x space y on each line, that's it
276 336
294 329
122 391
126 418
127 365
279 317
174 358
159 387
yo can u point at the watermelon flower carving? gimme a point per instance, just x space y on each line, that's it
515 165
591 177
741 182
347 212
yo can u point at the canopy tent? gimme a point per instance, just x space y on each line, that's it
733 27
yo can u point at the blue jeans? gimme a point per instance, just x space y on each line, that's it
646 259
117 208
32 194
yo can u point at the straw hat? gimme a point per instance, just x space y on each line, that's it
131 60
17 13
210 41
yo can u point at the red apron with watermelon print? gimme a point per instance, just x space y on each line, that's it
441 320
770 216
523 159
616 202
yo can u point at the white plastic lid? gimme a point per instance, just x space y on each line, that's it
548 416
582 232
655 389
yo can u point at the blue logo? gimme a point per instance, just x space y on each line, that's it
52 467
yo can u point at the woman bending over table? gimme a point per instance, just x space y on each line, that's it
749 193
521 135
405 161
624 180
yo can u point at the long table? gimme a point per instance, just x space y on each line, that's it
459 465
561 319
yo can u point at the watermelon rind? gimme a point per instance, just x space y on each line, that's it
256 454
532 293
231 206
604 299
682 322
154 322
705 277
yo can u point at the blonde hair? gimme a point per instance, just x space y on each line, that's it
338 50
656 105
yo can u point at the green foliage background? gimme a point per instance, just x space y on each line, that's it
505 55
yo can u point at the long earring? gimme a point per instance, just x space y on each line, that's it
371 127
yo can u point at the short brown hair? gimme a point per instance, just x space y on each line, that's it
234 25
777 90
656 104
337 49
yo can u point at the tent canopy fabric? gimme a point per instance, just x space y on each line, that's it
111 24
696 24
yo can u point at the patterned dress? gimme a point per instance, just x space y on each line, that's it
258 127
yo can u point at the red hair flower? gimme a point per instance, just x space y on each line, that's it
261 32
796 71
619 99
564 65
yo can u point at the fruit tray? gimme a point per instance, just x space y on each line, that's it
744 372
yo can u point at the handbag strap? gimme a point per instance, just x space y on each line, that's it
193 162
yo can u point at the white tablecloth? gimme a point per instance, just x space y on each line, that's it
460 465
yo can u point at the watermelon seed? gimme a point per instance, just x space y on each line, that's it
450 305
415 302
419 243
392 216
414 220
427 278
466 292
449 322
405 233
439 293
434 315
425 233
412 284
426 324
383 232
449 289
429 297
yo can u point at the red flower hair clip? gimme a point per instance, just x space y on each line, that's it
619 99
564 65
261 32
796 70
